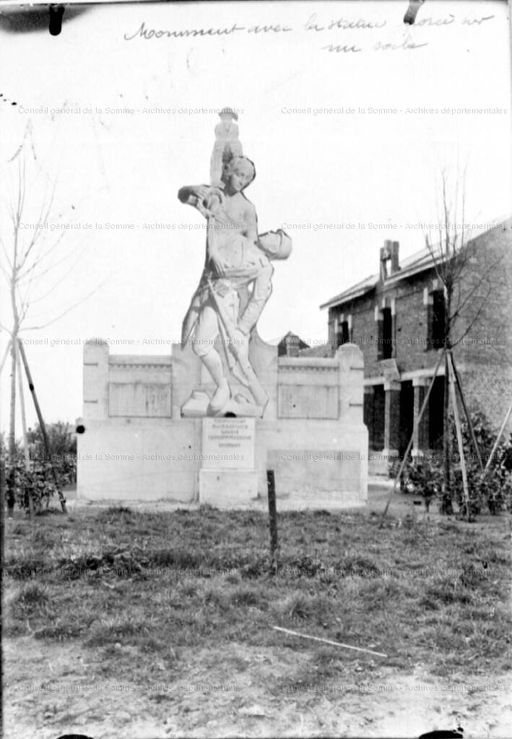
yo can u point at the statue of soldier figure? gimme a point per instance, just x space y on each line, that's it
237 277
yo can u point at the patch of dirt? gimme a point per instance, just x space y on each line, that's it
51 689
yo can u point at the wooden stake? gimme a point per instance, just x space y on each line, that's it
466 413
328 641
495 446
42 426
459 434
6 354
411 440
2 469
12 436
447 486
272 519
24 430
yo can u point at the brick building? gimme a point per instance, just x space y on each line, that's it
396 317
291 345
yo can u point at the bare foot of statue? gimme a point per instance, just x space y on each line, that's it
220 398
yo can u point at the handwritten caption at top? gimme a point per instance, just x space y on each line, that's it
312 25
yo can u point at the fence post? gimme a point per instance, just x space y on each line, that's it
272 519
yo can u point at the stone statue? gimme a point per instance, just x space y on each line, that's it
226 144
235 285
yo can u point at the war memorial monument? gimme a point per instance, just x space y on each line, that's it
206 423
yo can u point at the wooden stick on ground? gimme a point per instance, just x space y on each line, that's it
328 641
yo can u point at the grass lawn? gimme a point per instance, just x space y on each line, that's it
178 608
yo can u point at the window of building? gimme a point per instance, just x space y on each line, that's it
343 333
436 320
385 342
374 411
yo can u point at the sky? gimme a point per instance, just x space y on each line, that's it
349 116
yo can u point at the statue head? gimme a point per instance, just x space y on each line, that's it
275 244
227 114
238 172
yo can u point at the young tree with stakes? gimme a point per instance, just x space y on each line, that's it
452 258
453 255
31 259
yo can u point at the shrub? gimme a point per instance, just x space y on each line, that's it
36 480
492 491
423 476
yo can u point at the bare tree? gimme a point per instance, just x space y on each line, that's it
453 257
33 262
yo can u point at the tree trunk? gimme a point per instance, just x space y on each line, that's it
12 436
447 496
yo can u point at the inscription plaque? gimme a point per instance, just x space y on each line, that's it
228 443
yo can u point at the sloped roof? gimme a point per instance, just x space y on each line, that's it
321 350
277 340
360 288
417 262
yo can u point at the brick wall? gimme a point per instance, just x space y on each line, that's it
487 285
486 350
410 327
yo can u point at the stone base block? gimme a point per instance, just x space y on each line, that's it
228 488
333 501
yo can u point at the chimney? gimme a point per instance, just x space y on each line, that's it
389 262
395 263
